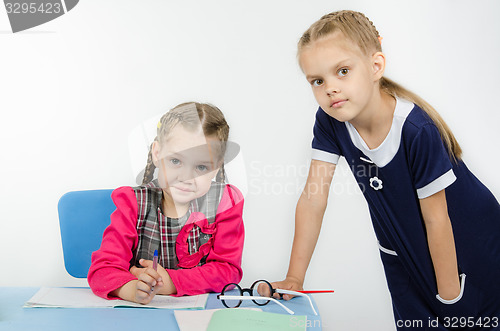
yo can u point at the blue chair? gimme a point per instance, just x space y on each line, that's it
83 216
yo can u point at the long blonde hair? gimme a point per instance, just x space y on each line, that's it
359 29
191 115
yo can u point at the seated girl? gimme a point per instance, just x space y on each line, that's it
193 222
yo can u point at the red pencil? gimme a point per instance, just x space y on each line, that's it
319 291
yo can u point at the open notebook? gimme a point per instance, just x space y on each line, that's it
82 297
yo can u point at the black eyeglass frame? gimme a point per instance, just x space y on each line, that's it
272 291
250 292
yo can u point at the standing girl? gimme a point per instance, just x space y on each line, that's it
437 225
193 222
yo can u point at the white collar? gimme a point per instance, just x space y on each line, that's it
386 151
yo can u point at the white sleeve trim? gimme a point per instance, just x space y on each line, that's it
324 156
437 185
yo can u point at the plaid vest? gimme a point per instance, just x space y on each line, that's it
156 231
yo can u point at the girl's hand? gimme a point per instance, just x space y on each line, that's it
290 283
148 284
168 286
143 289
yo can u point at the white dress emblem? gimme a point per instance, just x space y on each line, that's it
376 183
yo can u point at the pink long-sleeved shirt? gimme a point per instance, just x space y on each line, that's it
110 264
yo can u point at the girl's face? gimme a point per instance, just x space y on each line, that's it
343 79
187 162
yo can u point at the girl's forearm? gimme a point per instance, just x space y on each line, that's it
441 244
309 216
444 259
307 229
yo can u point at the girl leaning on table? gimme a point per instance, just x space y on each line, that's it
437 225
195 223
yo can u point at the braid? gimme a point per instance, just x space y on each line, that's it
221 128
150 167
221 175
372 25
354 25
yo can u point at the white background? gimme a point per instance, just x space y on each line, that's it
73 90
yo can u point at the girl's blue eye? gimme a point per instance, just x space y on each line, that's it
202 168
317 82
343 72
175 161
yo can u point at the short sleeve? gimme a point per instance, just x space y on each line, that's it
430 163
324 145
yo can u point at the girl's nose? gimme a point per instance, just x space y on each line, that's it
331 89
186 175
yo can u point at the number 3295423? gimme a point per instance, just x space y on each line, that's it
33 7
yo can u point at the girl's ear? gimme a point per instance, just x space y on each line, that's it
378 65
155 153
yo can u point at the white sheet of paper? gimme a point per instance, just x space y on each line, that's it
80 297
197 320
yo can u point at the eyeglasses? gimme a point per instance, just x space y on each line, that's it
261 292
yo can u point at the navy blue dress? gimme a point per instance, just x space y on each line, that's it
411 164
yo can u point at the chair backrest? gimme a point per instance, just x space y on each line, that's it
83 216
